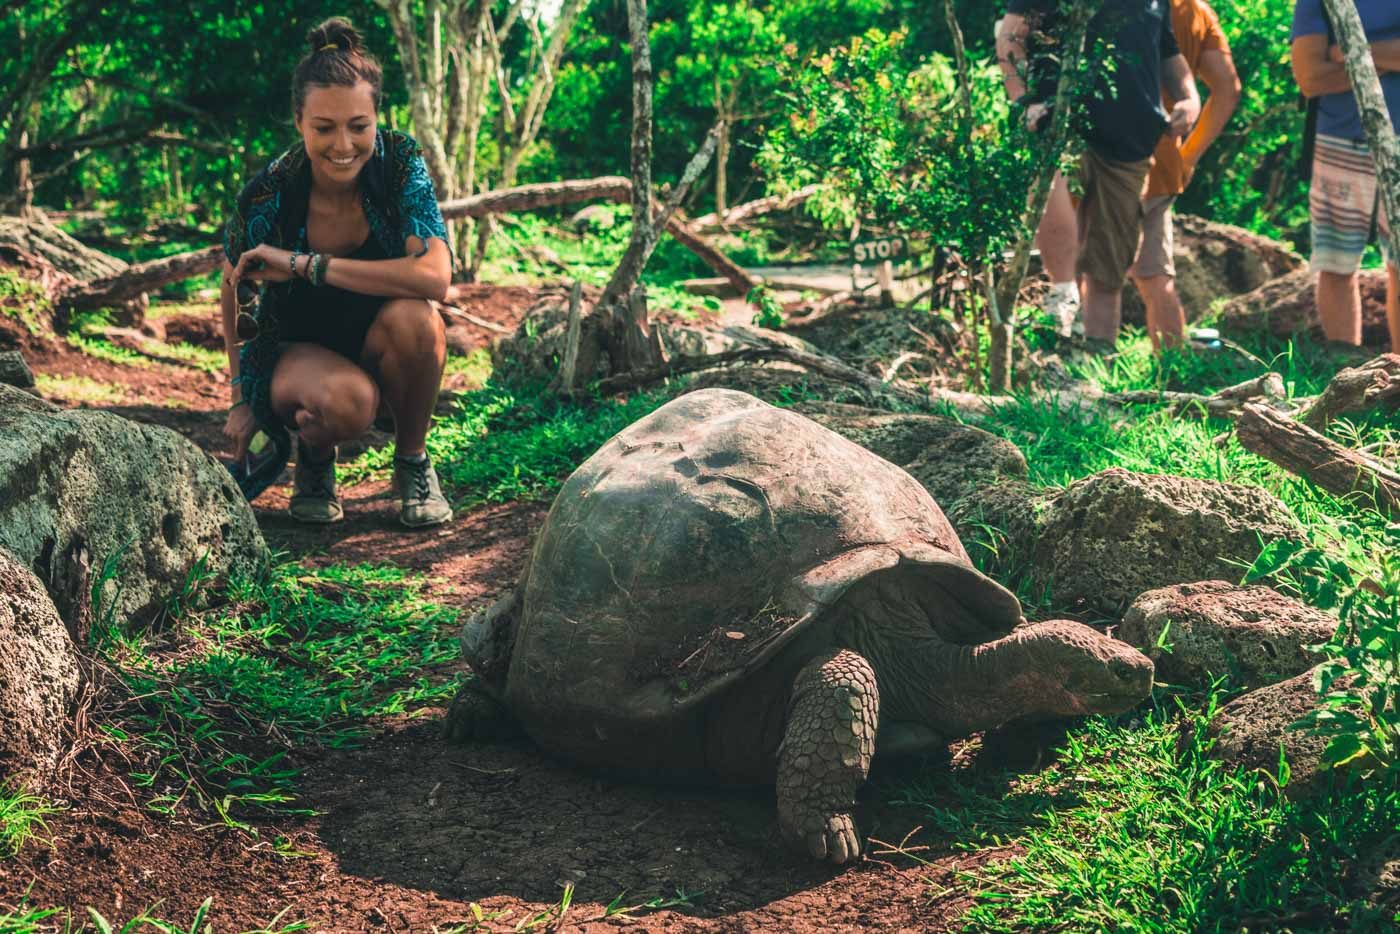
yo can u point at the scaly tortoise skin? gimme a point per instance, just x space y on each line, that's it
729 592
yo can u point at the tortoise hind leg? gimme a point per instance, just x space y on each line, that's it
476 715
825 754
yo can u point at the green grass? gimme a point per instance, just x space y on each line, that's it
513 256
23 299
21 819
305 659
1137 828
22 919
79 389
503 444
474 369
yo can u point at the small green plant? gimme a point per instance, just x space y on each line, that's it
23 299
198 924
769 313
21 819
78 389
1360 679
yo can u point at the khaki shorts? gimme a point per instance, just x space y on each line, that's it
1155 255
1110 217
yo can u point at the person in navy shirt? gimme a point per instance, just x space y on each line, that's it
1343 197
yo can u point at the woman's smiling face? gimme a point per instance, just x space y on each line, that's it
337 125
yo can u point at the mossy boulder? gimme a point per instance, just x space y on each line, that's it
1254 636
38 677
139 496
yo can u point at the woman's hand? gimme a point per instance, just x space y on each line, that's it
239 428
263 263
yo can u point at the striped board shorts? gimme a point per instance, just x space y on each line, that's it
1343 201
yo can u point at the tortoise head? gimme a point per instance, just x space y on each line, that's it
1069 669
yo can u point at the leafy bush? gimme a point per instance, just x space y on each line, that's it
1360 680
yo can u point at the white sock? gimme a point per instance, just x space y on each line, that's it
1067 291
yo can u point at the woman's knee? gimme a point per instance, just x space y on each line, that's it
343 404
409 328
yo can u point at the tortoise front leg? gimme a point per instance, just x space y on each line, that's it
826 751
476 715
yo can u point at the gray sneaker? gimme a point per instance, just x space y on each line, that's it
421 502
314 498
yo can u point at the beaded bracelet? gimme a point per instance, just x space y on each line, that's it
292 263
318 265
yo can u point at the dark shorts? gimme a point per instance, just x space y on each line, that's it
331 317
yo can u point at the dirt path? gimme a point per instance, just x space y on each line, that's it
410 832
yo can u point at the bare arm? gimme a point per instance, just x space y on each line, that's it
1217 70
1385 53
1181 87
412 276
426 276
1011 53
1313 68
228 312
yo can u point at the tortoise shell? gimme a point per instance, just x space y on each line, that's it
696 543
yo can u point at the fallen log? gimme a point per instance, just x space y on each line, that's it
140 278
1301 450
1356 389
542 195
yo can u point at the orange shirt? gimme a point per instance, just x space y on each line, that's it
1197 32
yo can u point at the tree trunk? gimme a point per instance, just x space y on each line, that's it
1300 450
1370 100
143 277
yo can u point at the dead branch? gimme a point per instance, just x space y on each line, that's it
751 209
816 363
449 309
1374 384
1298 449
1226 403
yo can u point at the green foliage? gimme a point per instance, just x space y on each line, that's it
1360 680
1138 828
23 299
198 924
504 444
21 819
770 313
303 659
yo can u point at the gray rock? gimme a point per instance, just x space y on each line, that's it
14 371
38 677
949 458
1253 635
139 495
1098 544
1250 730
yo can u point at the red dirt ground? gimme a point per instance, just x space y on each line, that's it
410 831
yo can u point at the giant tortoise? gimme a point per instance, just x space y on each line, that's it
727 591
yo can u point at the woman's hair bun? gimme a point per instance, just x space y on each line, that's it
337 31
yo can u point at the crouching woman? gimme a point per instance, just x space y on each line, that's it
342 236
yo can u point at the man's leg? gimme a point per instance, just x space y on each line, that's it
1339 306
1056 236
1154 273
1110 228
